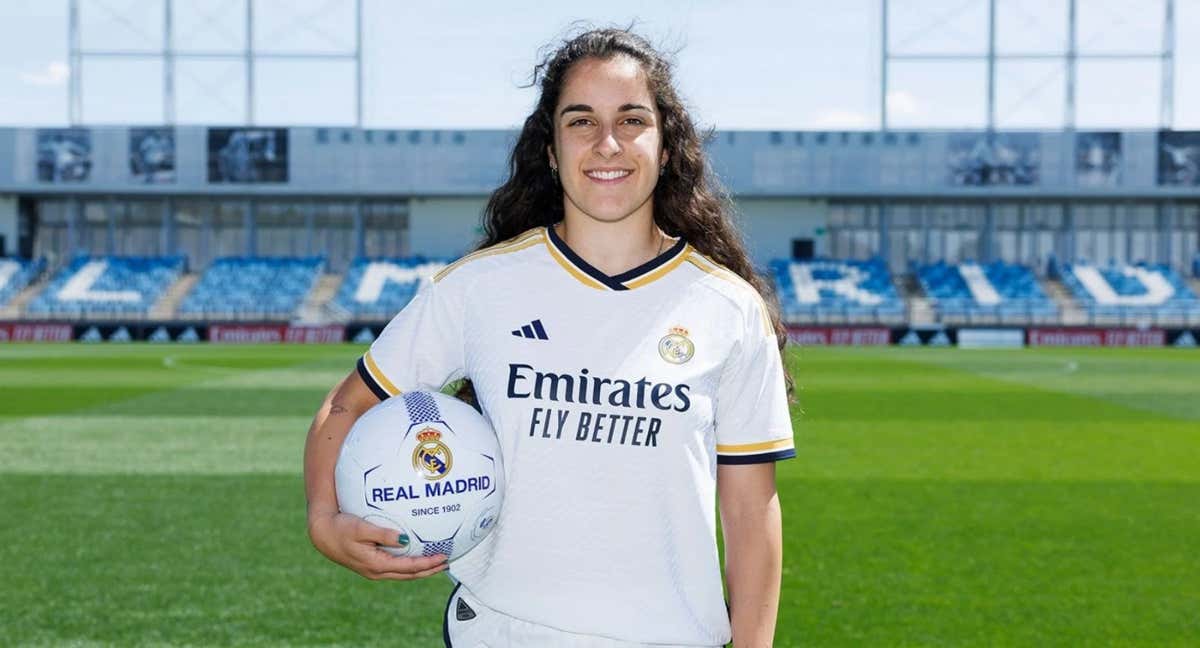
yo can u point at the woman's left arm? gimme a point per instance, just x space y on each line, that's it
752 523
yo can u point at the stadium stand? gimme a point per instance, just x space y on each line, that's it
1120 292
375 289
107 286
16 274
992 292
240 288
831 290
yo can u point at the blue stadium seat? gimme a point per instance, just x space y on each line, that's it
16 274
376 289
992 292
107 286
252 287
836 290
1121 291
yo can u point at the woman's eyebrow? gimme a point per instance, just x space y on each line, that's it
575 108
586 108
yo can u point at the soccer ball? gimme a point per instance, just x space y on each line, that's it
426 465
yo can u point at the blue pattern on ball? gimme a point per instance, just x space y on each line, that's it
421 407
439 547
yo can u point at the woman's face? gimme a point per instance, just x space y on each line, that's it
607 140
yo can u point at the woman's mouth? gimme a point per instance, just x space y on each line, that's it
607 176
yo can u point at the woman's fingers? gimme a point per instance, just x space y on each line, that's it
381 535
376 563
411 576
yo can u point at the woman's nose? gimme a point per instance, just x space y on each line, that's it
608 145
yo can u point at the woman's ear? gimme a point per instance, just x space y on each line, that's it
550 154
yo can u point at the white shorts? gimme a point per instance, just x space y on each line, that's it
471 624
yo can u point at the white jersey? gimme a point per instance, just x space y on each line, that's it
614 398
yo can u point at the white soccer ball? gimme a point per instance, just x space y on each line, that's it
426 465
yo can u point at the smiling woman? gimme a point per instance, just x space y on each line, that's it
609 147
612 330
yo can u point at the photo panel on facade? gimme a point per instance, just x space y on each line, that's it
1179 158
247 155
152 155
1098 159
991 159
64 155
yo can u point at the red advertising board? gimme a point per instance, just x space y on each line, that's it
35 332
839 336
1097 337
265 333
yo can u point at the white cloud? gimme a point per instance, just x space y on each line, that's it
55 73
841 119
900 102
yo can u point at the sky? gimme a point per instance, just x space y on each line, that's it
754 64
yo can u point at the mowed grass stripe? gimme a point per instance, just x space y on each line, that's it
1147 451
198 410
1160 381
912 418
94 444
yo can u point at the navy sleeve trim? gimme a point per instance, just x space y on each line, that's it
766 457
380 392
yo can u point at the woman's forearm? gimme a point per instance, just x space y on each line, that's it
752 524
332 422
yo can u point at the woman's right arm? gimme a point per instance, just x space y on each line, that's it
347 539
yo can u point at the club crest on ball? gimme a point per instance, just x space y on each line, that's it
431 458
675 347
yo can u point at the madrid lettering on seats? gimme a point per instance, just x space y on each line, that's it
80 286
809 279
1157 288
380 273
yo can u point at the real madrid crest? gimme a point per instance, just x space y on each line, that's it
675 347
431 458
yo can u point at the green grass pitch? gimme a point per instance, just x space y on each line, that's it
941 497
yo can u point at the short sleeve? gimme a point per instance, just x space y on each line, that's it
752 419
421 348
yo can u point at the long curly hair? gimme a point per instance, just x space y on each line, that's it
688 199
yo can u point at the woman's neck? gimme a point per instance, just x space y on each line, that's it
615 247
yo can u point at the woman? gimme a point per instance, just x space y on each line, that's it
615 335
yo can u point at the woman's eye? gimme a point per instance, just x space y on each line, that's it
580 122
634 120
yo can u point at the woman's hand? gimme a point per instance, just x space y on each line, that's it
346 539
354 543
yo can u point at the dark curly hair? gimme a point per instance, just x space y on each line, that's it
688 200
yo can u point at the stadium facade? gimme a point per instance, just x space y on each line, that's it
343 193
840 218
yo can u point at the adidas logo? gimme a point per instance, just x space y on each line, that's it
532 331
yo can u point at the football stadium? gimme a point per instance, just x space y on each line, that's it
992 331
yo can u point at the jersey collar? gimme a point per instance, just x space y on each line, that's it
589 275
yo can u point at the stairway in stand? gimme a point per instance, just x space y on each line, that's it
314 309
16 306
1071 312
920 307
165 307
